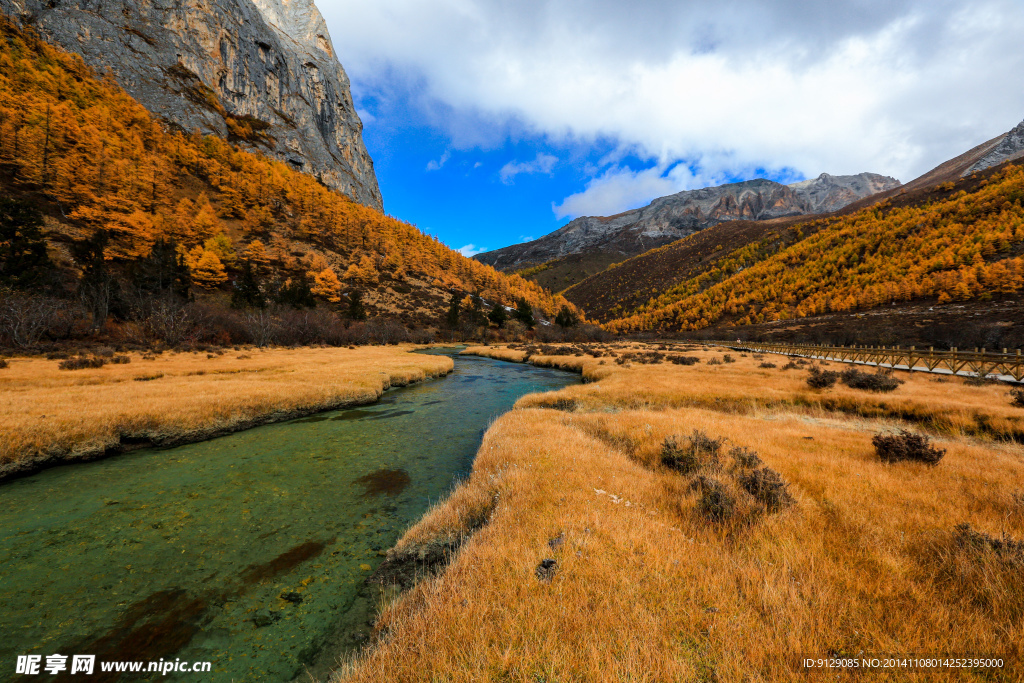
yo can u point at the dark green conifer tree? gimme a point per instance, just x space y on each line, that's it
297 293
567 318
97 288
451 319
24 262
498 315
163 270
524 313
248 291
356 310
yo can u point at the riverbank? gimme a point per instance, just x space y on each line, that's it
582 549
51 416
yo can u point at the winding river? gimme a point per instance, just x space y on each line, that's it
249 551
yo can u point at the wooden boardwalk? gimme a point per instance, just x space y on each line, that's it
1008 365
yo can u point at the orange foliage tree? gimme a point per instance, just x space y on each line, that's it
108 164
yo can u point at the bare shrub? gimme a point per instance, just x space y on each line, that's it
1017 397
514 330
714 361
421 336
4 364
120 360
767 487
171 321
261 325
587 332
82 363
684 360
789 366
25 318
878 381
727 358
550 333
819 379
906 446
767 365
386 331
979 381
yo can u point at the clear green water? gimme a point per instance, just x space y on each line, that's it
181 553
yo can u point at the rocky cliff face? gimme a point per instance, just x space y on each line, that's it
670 218
262 73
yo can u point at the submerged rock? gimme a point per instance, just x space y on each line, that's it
403 568
265 617
546 569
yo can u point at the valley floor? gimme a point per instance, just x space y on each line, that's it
51 416
659 575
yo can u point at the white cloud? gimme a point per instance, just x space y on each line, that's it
544 163
619 189
891 86
471 250
526 238
439 164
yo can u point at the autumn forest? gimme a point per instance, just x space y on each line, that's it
131 205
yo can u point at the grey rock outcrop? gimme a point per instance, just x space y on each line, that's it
673 217
262 73
1009 146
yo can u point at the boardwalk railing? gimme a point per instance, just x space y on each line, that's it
978 363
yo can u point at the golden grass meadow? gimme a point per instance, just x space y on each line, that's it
50 415
579 550
862 558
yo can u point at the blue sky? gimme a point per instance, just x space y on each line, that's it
490 122
499 192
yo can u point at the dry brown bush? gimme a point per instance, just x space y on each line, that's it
1017 397
906 446
82 363
819 379
878 381
767 487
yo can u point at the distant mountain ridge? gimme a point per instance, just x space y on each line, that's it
670 218
622 291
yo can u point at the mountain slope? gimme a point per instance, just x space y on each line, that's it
670 218
260 72
623 288
96 160
956 242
